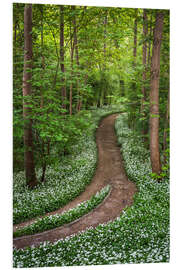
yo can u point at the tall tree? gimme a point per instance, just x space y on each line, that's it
63 88
135 38
27 76
72 59
105 36
41 90
75 30
42 55
15 40
144 76
154 94
145 32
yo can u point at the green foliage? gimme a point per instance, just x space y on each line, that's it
51 222
105 75
66 177
147 221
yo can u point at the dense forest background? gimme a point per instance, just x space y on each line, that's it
72 59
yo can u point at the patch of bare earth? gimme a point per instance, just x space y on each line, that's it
110 170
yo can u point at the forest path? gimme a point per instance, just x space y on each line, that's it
110 170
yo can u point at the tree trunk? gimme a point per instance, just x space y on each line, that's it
41 92
149 45
42 58
27 76
71 85
145 31
15 45
122 88
135 39
63 88
105 37
77 58
144 77
154 95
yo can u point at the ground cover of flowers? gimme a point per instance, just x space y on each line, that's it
139 235
63 182
57 220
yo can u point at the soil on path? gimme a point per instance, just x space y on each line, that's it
109 170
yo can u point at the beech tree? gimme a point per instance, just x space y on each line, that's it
27 76
75 31
63 88
144 75
145 30
72 59
154 94
135 38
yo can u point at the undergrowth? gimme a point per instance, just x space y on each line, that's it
139 235
57 220
65 181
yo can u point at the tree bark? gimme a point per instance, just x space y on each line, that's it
41 92
105 37
135 39
63 88
77 59
71 85
144 77
42 57
15 42
154 95
27 76
145 31
149 45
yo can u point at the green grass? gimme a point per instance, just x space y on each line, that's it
139 235
57 220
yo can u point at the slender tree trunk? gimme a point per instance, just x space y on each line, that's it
144 77
42 58
154 95
15 43
105 37
104 92
43 162
131 117
27 76
43 172
135 39
145 31
122 88
149 44
55 77
63 88
77 58
42 97
71 85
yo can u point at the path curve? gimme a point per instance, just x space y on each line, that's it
109 170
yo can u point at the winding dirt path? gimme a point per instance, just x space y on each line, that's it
110 170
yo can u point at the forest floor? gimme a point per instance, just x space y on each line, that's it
110 171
